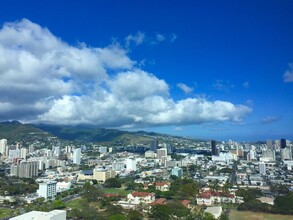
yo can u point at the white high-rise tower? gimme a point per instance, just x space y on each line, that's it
77 156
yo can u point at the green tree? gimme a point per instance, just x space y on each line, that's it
284 204
248 194
112 183
118 217
161 212
90 193
255 206
134 215
58 204
178 209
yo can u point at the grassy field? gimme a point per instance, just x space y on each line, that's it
246 215
121 192
74 203
4 213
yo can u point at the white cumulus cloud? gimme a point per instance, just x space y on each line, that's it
288 75
44 79
185 88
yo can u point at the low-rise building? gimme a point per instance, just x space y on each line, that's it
141 197
37 215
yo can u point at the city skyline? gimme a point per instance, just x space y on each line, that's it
213 70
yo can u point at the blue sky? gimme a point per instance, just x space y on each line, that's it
206 69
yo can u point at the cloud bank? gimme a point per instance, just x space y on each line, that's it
45 80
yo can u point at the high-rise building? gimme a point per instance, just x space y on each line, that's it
286 154
68 149
170 149
14 154
131 164
262 168
77 156
268 154
31 149
154 145
3 147
177 171
270 144
162 152
214 148
23 153
47 190
57 151
25 169
283 143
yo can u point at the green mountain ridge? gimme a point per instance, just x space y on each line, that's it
15 130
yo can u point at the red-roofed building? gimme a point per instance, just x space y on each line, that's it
209 198
109 195
186 203
160 201
141 197
162 186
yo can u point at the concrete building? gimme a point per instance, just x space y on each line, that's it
141 197
149 154
286 154
101 175
103 150
177 171
118 166
23 153
269 155
154 145
262 168
57 151
77 156
31 149
131 164
37 215
162 152
283 143
13 154
25 169
3 147
214 148
47 190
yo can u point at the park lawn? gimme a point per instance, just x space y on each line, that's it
247 215
74 204
121 192
4 213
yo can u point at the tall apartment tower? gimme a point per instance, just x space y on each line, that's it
283 143
23 153
262 168
162 152
214 148
3 147
77 156
25 169
31 149
154 145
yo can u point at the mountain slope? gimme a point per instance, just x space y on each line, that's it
15 131
91 134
